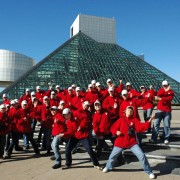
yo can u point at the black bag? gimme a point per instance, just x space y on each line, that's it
131 131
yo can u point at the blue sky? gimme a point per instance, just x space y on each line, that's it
152 27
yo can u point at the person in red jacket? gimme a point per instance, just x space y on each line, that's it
5 99
132 93
112 104
101 126
4 128
53 100
26 96
124 128
46 121
164 97
62 129
147 108
23 124
41 93
69 97
80 135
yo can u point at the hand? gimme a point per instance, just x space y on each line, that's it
120 81
50 87
151 118
115 105
35 104
158 98
118 133
25 119
61 135
78 129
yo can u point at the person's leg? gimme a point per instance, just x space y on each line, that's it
26 141
8 137
167 125
86 144
156 124
2 144
55 147
69 147
47 136
142 158
34 145
113 157
99 146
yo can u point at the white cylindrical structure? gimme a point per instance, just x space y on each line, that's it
12 66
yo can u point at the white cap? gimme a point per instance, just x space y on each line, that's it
128 84
54 108
66 111
24 102
93 82
34 98
52 92
165 83
78 88
13 102
38 87
16 100
73 86
62 102
33 93
27 90
90 86
124 92
57 86
45 97
142 87
110 89
86 103
98 84
70 89
97 102
2 106
109 80
4 95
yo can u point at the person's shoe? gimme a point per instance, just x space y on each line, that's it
105 170
52 158
56 166
19 148
27 147
98 167
152 141
166 141
66 167
152 176
6 156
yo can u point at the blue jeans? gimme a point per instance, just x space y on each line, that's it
26 140
147 114
136 151
85 142
55 147
166 116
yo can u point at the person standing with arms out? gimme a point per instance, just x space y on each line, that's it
125 129
164 97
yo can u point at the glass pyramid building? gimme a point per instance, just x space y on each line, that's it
82 59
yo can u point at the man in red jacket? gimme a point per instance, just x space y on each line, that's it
63 128
132 93
124 128
164 97
81 135
4 128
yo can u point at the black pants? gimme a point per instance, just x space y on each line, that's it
85 142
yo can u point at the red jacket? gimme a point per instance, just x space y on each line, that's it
125 140
108 105
165 103
61 125
25 97
77 102
45 116
53 102
149 104
84 121
101 123
11 115
91 97
132 102
23 125
132 93
4 124
41 94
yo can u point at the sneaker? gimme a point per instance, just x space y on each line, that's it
66 167
98 167
151 176
105 170
56 166
166 142
152 141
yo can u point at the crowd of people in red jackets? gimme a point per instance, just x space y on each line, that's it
74 116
